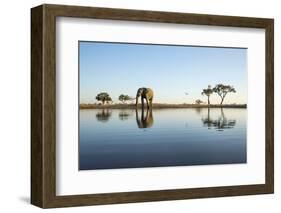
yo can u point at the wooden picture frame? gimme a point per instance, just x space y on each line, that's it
43 105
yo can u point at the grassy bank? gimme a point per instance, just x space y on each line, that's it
159 106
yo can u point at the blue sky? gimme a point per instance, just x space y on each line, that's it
121 68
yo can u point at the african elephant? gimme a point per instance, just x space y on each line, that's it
146 119
147 94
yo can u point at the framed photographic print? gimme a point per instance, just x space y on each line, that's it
135 106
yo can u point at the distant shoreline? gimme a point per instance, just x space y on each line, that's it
160 106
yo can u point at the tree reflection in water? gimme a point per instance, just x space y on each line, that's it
104 115
219 124
198 110
124 115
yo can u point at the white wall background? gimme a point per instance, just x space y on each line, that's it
15 105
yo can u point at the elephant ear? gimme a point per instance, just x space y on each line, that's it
145 90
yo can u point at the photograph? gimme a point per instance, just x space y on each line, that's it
160 105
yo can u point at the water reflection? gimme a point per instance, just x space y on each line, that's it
124 115
220 123
177 137
104 115
146 118
198 110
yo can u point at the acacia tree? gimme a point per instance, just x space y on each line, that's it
103 97
198 101
222 90
207 92
109 100
124 98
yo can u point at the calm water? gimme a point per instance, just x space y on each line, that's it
162 137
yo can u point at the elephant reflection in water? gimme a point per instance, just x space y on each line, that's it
146 119
219 124
103 115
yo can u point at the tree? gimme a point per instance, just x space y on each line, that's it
208 92
198 101
103 97
124 98
222 90
109 100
